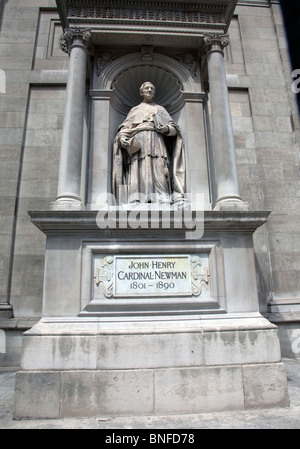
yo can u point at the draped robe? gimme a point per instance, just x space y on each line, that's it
153 164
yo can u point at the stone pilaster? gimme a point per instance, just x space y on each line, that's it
224 161
75 42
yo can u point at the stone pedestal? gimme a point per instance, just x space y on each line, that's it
99 353
90 368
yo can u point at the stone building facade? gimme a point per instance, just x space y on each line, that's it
33 77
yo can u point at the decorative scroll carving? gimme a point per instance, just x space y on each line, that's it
220 40
199 275
70 34
104 276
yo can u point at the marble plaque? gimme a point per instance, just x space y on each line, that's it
144 276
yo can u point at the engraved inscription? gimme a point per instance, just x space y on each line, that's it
152 276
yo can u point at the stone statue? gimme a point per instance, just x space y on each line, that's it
149 160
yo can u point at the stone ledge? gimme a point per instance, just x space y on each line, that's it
18 323
283 317
62 346
58 221
6 311
96 326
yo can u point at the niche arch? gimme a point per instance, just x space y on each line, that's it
116 90
124 76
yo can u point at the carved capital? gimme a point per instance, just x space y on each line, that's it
216 41
72 34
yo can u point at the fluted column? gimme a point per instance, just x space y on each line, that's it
73 41
226 178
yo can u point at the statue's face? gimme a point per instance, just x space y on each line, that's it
148 92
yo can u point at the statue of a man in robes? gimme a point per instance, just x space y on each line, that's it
149 160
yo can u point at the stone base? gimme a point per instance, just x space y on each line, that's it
90 368
6 311
232 206
67 204
285 313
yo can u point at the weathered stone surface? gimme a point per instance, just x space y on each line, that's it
107 393
240 347
130 368
196 390
37 395
265 385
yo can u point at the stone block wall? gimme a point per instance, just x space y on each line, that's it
266 128
32 109
31 115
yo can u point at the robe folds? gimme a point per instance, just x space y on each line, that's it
153 164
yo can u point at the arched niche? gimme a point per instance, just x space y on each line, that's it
125 75
116 90
126 88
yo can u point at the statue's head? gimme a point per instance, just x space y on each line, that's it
146 88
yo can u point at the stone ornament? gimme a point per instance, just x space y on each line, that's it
199 275
189 61
105 276
185 14
70 34
103 60
220 40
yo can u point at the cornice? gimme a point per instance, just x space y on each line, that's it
258 3
139 14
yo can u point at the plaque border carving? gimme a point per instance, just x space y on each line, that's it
213 302
104 275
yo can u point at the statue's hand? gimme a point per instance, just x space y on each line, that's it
124 141
163 129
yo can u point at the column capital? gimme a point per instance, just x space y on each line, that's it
216 42
71 34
